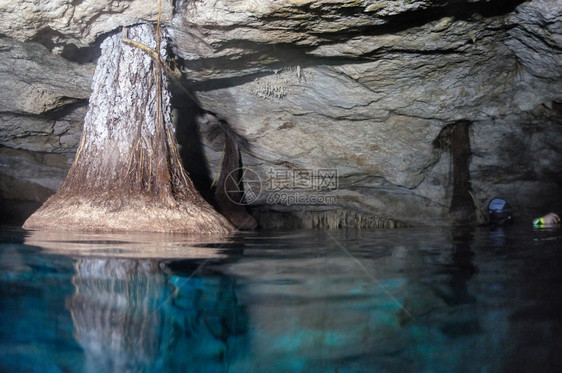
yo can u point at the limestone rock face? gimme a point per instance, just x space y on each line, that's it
35 81
61 23
43 101
366 88
537 30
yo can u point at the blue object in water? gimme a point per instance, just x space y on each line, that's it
499 211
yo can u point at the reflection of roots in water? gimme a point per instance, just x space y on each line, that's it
131 315
114 312
128 245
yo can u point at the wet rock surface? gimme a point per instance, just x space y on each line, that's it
365 88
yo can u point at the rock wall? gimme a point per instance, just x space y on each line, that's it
368 89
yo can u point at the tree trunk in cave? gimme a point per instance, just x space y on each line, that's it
127 174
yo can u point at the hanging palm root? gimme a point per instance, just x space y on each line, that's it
229 191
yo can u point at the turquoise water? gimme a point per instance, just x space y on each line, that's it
404 300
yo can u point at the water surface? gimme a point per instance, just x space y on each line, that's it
404 300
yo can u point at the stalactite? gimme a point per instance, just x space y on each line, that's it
325 219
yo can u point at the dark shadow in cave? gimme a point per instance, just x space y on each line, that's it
191 148
227 195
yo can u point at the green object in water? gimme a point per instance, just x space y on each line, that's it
549 220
